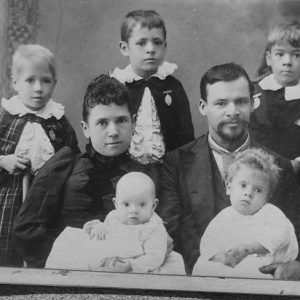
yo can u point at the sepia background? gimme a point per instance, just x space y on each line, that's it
84 36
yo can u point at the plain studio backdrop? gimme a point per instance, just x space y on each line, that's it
84 36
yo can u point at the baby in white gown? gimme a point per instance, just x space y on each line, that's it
131 239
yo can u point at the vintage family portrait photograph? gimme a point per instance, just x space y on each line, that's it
151 145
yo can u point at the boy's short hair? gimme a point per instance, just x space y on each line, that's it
32 52
257 159
105 90
288 32
225 72
146 18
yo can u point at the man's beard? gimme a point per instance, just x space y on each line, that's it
232 135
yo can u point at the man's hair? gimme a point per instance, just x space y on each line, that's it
257 159
225 72
284 33
34 53
146 18
104 90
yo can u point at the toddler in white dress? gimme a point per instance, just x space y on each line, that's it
251 232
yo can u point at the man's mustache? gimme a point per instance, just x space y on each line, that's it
233 120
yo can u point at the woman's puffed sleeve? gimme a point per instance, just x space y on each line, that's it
34 228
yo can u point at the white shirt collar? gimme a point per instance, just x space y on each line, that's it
15 107
218 156
290 92
127 75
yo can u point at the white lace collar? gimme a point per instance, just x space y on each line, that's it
128 75
15 107
290 92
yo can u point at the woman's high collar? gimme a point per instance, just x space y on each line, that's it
99 159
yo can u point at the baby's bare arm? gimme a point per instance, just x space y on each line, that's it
235 255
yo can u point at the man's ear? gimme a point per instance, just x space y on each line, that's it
202 107
268 58
124 48
254 104
85 129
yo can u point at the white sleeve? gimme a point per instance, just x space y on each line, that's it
110 218
155 249
276 232
213 240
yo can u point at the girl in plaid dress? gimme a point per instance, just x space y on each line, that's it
32 128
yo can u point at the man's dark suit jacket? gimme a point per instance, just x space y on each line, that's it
192 193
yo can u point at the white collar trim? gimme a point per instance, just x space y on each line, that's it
15 107
290 92
127 75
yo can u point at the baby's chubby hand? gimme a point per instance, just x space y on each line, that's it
233 256
95 229
14 164
237 254
117 264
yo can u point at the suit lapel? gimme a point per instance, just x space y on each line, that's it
198 176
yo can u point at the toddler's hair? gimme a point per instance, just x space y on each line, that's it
284 33
34 53
104 90
256 159
146 18
225 72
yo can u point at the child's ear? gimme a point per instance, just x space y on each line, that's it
14 83
85 129
114 201
268 58
155 203
228 187
202 107
124 48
